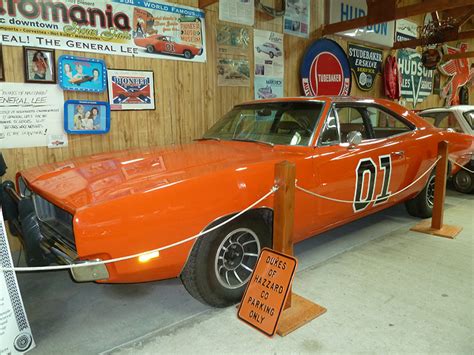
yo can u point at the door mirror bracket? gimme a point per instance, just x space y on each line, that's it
354 138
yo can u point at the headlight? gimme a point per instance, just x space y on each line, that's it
23 188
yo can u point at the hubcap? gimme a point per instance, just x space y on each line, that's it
430 191
236 258
463 180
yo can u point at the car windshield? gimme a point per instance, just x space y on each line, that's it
282 123
469 116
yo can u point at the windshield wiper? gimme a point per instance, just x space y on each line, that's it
208 139
252 141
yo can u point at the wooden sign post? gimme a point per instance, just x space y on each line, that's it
436 226
298 310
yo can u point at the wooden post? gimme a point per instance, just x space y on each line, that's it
298 310
436 226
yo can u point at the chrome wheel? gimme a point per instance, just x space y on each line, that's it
430 191
236 257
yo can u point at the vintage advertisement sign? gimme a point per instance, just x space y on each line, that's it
15 332
459 73
268 51
268 88
233 72
297 18
417 81
30 114
119 27
343 10
131 90
405 30
267 290
325 69
366 64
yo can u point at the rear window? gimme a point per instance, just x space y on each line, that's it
469 116
444 120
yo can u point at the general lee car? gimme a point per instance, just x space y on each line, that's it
166 45
117 204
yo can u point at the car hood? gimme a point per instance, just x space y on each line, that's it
98 178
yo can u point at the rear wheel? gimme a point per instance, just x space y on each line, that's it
463 181
221 262
150 48
188 54
422 205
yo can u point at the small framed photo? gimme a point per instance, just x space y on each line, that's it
39 65
86 117
2 70
82 74
131 90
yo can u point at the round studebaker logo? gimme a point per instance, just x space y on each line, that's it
325 69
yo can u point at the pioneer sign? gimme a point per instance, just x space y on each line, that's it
417 81
267 291
366 64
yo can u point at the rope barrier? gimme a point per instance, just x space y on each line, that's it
462 166
169 246
368 201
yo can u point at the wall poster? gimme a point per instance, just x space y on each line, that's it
417 81
118 27
31 115
297 18
233 72
237 11
131 90
405 30
15 332
366 64
269 64
268 88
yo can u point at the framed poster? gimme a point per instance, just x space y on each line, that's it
39 65
131 90
86 117
2 71
82 74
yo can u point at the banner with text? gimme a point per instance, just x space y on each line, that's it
366 64
118 27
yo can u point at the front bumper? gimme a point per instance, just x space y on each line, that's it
42 243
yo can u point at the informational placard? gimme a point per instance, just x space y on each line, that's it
30 114
366 64
267 290
268 88
344 10
417 81
237 11
405 30
131 90
297 18
268 51
118 27
15 332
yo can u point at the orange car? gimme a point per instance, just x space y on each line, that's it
121 203
165 45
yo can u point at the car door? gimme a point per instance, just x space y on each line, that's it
354 175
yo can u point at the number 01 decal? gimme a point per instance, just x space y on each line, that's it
366 174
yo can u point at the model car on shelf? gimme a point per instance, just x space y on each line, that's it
460 119
121 203
167 45
270 49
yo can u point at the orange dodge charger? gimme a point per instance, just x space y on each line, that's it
122 203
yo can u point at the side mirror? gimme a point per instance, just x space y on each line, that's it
354 138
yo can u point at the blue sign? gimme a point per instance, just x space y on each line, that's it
82 74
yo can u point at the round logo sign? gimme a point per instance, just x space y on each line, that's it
325 70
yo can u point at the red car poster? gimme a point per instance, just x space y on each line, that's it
131 90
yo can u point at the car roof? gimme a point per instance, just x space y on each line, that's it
337 99
462 108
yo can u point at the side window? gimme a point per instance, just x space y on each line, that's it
384 124
350 119
330 133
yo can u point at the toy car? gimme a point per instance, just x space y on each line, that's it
270 49
166 45
127 202
460 119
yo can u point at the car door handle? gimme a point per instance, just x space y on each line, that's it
400 153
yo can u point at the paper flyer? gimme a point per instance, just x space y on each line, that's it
268 88
297 18
268 53
237 11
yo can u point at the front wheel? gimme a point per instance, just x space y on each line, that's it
150 48
221 262
463 181
188 54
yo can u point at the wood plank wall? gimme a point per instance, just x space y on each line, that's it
188 99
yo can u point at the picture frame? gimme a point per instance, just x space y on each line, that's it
131 89
82 74
2 69
86 117
39 65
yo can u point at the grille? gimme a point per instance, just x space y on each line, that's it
54 221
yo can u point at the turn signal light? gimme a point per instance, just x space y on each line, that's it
147 257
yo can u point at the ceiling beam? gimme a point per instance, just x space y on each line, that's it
205 3
399 13
448 37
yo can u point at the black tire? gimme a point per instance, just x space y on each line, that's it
271 55
200 275
188 54
422 205
463 181
150 48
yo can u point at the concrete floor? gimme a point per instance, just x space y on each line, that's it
386 290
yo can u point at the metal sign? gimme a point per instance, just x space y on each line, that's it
405 30
417 81
267 291
15 332
325 69
366 64
459 72
344 10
